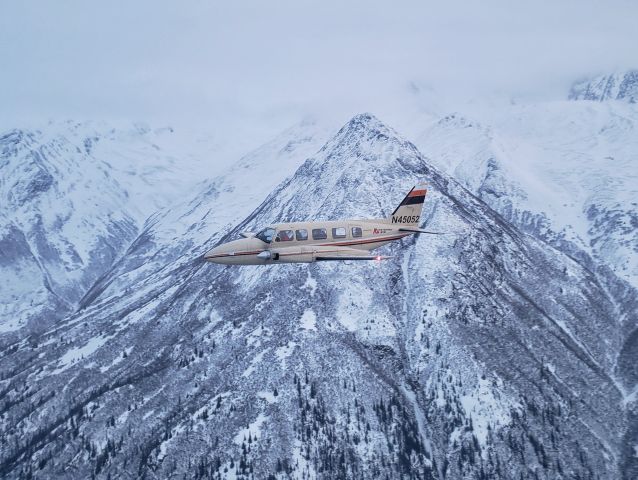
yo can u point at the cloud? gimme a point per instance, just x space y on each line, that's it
271 62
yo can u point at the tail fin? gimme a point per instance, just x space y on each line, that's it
409 210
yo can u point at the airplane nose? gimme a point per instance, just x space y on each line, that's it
212 253
222 253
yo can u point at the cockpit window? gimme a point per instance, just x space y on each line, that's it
266 235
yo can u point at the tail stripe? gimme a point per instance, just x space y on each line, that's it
413 200
409 210
414 197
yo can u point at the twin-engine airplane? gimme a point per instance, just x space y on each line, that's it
305 242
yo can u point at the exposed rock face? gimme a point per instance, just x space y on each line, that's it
63 221
618 86
483 353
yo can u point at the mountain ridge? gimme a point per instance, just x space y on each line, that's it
464 355
616 86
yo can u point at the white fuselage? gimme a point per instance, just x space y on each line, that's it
305 242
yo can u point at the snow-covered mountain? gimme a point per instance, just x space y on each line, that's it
487 352
171 236
63 219
617 86
566 171
75 195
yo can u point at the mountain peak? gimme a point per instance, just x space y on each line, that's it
360 138
365 118
365 124
616 86
342 179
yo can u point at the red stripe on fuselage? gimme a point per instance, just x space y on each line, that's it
362 242
337 244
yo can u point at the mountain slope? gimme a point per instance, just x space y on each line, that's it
565 171
618 86
64 219
482 352
170 235
75 195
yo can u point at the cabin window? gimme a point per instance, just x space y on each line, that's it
285 236
302 234
339 232
319 234
356 232
266 235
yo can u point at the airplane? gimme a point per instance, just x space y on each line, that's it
306 242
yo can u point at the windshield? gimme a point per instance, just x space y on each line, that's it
266 235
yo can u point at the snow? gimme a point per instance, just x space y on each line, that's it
134 175
254 362
361 297
354 304
420 417
554 158
253 429
304 469
268 396
618 85
561 323
10 325
76 354
309 320
121 420
116 360
258 335
148 414
163 449
628 398
357 309
486 407
311 284
284 352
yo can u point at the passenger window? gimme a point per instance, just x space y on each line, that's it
356 232
319 234
285 236
339 232
302 234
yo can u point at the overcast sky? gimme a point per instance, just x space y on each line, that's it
270 63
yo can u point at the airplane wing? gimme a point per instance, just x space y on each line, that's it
345 253
418 230
324 258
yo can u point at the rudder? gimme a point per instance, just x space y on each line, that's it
409 210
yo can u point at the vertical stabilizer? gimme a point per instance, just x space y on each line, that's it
409 210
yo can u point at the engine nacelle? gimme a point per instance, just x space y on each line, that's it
289 255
